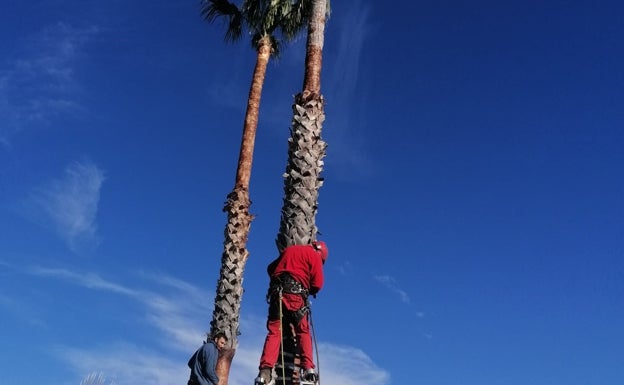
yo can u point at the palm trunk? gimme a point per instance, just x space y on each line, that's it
306 149
226 314
314 47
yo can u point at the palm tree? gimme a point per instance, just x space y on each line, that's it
263 18
306 149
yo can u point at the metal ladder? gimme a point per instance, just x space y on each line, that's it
291 373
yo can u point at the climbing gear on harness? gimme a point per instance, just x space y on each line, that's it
310 375
299 314
287 284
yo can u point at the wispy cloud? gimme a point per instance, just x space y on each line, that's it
392 285
346 94
344 268
125 364
88 280
170 313
345 365
26 312
177 310
344 85
69 204
41 82
353 32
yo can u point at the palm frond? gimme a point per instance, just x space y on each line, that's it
283 18
270 16
259 15
276 46
296 19
211 10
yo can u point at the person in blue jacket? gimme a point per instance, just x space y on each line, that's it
203 363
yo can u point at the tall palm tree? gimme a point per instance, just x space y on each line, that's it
263 19
306 149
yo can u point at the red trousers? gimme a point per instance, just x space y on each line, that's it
291 302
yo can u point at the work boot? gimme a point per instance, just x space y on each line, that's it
310 375
264 377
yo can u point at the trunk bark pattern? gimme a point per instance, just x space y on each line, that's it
306 151
229 294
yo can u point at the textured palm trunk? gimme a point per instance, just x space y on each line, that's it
306 149
226 315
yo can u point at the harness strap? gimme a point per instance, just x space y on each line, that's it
285 283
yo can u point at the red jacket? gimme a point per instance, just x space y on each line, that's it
303 263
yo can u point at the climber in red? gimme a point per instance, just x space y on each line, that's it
296 273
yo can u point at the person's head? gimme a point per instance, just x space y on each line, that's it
321 248
220 339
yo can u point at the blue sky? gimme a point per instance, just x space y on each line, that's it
473 203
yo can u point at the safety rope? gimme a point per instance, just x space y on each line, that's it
281 318
318 362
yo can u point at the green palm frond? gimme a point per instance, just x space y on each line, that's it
276 45
296 19
279 19
213 9
265 16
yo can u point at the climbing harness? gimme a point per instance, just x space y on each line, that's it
287 284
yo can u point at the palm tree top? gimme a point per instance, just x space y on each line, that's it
262 18
213 9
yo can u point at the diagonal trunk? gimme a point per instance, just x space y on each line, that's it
226 315
245 157
306 149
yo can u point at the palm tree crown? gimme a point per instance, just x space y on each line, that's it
263 18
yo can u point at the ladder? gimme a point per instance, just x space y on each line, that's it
290 372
